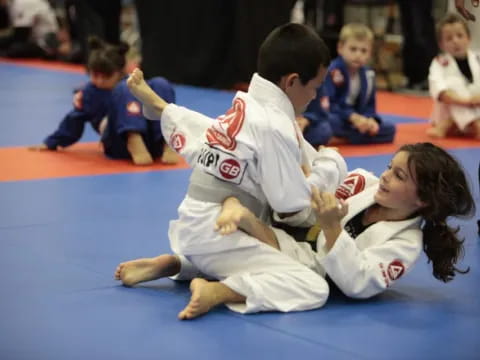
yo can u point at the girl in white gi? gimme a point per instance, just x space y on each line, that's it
254 152
454 81
365 246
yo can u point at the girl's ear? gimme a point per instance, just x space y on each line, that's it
421 204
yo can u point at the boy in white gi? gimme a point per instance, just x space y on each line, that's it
254 152
454 81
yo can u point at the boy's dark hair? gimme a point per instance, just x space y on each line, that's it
105 58
442 185
448 19
292 48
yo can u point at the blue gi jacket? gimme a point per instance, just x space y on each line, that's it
337 85
92 109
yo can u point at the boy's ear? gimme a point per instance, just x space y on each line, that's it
287 81
339 47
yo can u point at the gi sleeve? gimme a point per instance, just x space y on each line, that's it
69 131
184 130
335 86
436 78
280 174
365 273
317 109
328 168
90 106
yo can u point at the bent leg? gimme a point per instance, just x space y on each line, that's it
268 279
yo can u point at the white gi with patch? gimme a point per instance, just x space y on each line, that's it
370 263
254 147
445 75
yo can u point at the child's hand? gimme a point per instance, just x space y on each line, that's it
329 209
41 147
360 123
302 123
373 127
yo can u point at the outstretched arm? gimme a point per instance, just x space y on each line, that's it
153 104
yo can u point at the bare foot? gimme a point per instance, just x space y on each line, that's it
169 156
142 159
137 149
147 269
207 294
231 215
201 301
140 89
436 132
335 141
41 147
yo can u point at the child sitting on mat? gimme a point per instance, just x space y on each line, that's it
454 81
113 112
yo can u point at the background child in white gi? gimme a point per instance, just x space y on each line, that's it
367 245
256 150
454 81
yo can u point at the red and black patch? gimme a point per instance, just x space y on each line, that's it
337 77
442 60
134 108
352 185
325 103
177 141
227 127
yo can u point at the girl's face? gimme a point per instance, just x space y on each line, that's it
105 82
398 189
455 40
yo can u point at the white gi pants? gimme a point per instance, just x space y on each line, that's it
461 115
269 279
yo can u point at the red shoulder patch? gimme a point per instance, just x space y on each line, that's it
352 185
134 108
442 60
177 141
227 127
337 77
325 103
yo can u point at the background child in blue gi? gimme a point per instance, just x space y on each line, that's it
350 86
314 123
108 106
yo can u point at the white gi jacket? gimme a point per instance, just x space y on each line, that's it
257 148
370 263
445 75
